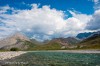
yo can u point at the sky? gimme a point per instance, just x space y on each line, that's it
47 19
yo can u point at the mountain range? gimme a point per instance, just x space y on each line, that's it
20 41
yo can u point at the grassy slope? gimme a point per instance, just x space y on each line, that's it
91 43
30 45
50 46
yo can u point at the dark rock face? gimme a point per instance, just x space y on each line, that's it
87 35
84 35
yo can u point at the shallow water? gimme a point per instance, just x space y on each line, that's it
55 59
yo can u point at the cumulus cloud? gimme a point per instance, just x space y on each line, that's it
94 23
84 18
43 23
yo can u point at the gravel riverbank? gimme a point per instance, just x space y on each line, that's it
9 55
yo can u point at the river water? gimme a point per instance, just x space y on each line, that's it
55 59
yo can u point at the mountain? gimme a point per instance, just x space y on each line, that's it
66 41
15 40
58 43
20 41
92 41
84 35
95 34
36 42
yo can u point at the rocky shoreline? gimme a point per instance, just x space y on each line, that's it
9 55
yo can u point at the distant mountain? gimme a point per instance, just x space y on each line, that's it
95 34
36 42
84 35
58 43
66 41
92 41
15 40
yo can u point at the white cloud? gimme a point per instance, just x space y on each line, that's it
96 1
44 23
94 23
4 9
81 21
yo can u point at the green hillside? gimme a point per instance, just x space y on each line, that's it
90 43
54 44
49 46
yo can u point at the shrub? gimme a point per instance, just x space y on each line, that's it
14 49
78 46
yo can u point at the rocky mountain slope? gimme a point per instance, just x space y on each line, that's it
15 40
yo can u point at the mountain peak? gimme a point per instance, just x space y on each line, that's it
19 35
13 39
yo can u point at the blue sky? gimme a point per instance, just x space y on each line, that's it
47 19
83 6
